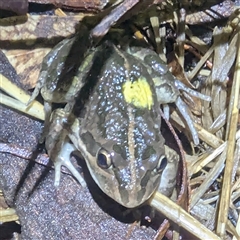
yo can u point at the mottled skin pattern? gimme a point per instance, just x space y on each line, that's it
116 126
129 136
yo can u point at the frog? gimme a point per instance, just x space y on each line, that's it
117 129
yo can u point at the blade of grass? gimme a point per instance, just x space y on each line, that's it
19 99
226 186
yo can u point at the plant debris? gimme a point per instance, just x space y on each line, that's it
206 58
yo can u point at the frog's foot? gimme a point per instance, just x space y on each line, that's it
58 146
183 108
166 111
180 86
34 95
63 159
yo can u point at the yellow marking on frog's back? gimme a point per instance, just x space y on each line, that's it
138 93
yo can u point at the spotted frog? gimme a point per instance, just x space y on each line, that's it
114 121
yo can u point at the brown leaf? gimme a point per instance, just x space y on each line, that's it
31 28
50 29
217 12
27 64
7 70
177 70
86 5
19 7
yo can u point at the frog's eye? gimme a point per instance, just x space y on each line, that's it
104 159
162 163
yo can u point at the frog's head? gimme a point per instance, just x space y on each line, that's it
128 172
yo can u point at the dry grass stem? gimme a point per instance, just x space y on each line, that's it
8 215
176 214
19 99
225 195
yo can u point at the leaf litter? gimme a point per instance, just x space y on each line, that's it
214 166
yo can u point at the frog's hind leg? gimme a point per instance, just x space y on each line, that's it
169 175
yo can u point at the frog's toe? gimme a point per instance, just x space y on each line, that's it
166 111
180 86
67 163
33 96
183 108
57 167
63 159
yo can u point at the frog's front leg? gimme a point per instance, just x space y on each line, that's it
59 147
168 92
167 86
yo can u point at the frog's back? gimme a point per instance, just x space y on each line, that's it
123 94
122 116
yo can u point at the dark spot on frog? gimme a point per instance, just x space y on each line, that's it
149 151
146 178
92 79
124 194
118 149
91 145
139 112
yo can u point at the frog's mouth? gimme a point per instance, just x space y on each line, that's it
127 187
133 196
129 196
128 184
